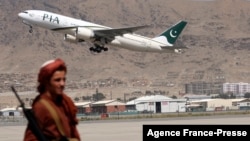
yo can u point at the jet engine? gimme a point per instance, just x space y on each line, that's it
70 38
84 33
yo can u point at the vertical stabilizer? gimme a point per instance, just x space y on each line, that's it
171 35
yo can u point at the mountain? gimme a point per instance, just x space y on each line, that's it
218 34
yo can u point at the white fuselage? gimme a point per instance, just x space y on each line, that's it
55 21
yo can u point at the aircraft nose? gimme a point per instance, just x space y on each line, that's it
20 15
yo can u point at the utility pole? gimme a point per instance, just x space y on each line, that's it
111 94
125 95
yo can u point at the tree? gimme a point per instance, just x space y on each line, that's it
98 96
223 96
86 97
132 98
174 97
247 95
148 92
232 96
76 99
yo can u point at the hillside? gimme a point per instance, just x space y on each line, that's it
218 34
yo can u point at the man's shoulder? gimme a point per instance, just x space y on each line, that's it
65 96
37 103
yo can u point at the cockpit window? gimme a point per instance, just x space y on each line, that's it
30 14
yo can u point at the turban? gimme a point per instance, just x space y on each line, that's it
47 70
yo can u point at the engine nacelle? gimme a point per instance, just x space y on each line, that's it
179 51
84 33
70 38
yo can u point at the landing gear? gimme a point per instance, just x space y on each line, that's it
98 49
31 30
105 49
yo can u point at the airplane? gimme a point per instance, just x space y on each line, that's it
100 36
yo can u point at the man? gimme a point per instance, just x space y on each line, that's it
54 111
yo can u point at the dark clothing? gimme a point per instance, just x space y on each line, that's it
66 111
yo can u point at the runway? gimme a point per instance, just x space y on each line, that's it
127 130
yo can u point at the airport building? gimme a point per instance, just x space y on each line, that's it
8 112
244 104
214 104
236 88
202 87
157 104
100 107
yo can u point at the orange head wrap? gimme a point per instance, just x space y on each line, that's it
46 72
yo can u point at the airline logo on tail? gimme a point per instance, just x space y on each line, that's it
171 35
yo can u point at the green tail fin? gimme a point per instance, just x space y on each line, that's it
172 34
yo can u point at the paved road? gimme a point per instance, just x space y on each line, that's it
125 130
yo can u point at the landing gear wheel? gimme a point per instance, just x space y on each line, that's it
31 30
105 49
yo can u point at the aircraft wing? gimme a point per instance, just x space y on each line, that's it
107 33
174 47
111 33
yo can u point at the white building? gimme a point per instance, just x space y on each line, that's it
217 104
157 104
244 104
236 88
10 112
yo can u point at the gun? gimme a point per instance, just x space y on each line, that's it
31 118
